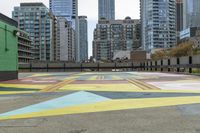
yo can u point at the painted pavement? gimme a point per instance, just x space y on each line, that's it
99 92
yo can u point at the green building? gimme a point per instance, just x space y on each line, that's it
8 48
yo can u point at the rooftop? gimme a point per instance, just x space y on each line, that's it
32 4
8 20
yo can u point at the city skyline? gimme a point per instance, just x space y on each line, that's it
132 10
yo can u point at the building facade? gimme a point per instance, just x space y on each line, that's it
179 18
68 9
106 9
65 8
191 35
83 38
114 35
8 49
191 17
179 15
65 40
158 19
24 48
37 21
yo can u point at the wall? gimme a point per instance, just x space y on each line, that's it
8 52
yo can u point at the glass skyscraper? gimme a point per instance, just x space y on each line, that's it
107 9
191 17
83 38
158 24
65 8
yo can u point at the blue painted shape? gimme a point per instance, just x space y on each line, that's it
78 98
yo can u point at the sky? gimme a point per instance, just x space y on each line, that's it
123 8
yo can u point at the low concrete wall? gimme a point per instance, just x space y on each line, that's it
184 60
8 75
196 59
107 65
90 65
173 64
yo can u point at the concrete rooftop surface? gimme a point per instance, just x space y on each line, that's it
100 102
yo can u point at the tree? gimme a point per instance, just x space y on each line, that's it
161 54
184 49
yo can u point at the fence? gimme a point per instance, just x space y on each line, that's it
182 64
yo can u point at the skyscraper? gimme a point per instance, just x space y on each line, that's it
38 22
107 9
68 9
179 15
158 24
191 17
83 37
65 8
179 18
66 40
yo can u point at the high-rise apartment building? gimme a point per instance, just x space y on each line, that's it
37 21
158 19
106 9
68 9
191 17
115 35
65 40
83 38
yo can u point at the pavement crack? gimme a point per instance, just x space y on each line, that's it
78 131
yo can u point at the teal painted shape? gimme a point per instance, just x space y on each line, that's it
78 98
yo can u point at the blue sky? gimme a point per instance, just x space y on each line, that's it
86 7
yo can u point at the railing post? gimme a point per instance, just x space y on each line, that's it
161 69
115 66
64 67
47 67
98 67
132 66
190 63
178 65
169 63
81 67
30 67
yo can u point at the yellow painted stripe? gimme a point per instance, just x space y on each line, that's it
56 86
101 87
112 105
39 75
142 85
15 92
27 86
